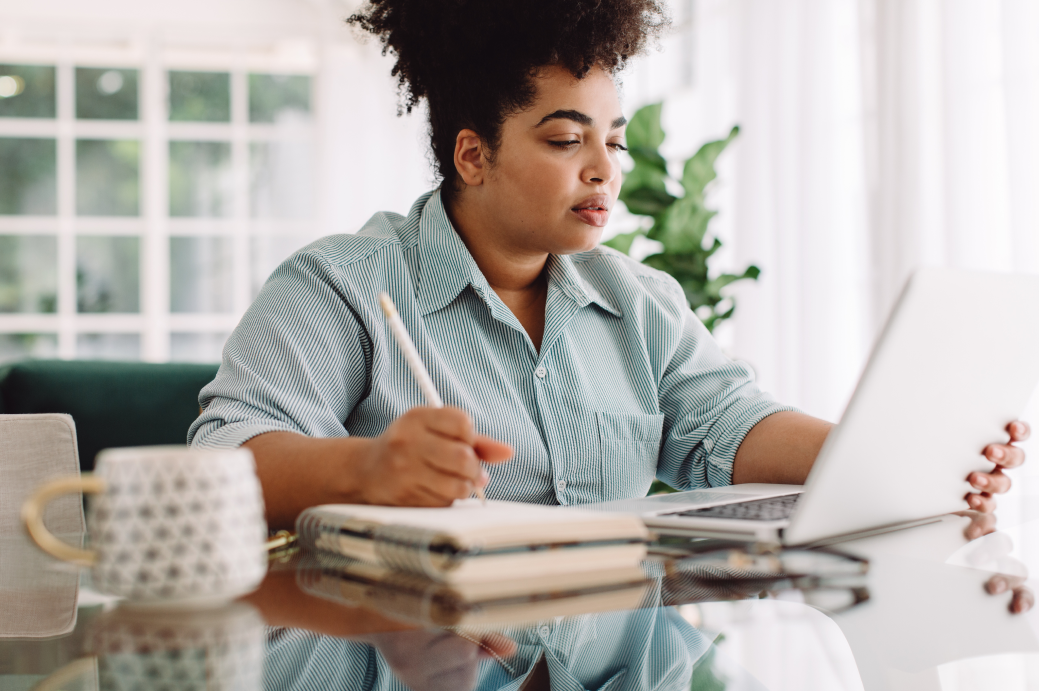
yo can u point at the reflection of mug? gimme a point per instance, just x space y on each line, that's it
170 525
218 649
203 650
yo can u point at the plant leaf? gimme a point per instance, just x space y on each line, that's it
683 226
647 201
622 242
644 129
643 155
699 170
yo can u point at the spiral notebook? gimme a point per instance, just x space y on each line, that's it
470 542
413 598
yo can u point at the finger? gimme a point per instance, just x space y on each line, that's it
498 645
449 487
981 502
492 450
981 524
994 483
431 495
452 458
1005 455
1019 431
453 423
1022 601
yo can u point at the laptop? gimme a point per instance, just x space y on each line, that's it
956 362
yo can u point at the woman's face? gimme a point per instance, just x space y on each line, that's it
556 174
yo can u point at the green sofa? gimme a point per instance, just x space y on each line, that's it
113 403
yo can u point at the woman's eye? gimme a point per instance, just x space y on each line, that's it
565 144
618 146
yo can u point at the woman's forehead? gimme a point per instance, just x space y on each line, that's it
590 101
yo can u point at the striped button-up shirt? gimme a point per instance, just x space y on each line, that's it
627 384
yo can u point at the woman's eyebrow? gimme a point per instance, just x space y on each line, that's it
580 118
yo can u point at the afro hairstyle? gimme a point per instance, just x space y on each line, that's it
475 61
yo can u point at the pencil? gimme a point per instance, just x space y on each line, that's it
415 366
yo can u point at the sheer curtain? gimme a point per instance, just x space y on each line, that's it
877 136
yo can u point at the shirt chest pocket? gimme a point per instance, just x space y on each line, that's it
629 445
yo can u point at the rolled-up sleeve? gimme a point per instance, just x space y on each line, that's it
709 401
296 362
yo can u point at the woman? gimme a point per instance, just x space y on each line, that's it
586 368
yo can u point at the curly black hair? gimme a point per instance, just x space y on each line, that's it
474 61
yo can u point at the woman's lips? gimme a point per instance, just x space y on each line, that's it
593 216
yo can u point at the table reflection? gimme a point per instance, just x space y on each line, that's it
906 603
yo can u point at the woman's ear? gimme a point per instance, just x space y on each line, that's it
469 159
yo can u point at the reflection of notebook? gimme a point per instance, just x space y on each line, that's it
470 542
420 600
955 364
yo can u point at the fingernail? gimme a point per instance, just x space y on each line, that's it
997 453
981 481
998 586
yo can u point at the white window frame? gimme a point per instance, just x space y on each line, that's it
154 323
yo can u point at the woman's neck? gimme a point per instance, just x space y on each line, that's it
506 268
520 279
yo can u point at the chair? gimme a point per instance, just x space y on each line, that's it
113 403
37 595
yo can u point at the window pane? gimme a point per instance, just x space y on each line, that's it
267 252
27 91
193 347
19 346
281 180
276 97
28 176
107 274
106 177
200 96
28 273
200 274
106 94
201 181
108 347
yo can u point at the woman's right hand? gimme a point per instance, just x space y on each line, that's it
428 457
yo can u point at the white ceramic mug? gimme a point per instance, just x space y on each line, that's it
169 526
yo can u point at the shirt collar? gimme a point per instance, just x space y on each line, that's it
446 266
563 273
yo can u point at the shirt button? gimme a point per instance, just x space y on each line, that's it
540 372
561 485
544 631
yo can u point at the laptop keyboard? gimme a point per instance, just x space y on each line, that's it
771 509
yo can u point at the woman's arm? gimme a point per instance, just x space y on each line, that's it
780 449
426 457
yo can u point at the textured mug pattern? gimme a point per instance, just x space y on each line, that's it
190 651
178 524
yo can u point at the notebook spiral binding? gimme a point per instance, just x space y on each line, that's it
406 549
397 547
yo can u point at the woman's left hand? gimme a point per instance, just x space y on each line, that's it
995 482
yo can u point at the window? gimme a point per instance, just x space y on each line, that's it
142 203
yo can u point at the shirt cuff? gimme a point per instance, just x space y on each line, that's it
728 432
214 435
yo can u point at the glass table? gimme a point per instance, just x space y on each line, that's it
923 608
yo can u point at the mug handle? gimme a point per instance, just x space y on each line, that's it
32 516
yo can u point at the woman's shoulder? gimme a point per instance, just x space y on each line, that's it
606 267
386 236
381 233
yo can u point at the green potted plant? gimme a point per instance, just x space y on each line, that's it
679 224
